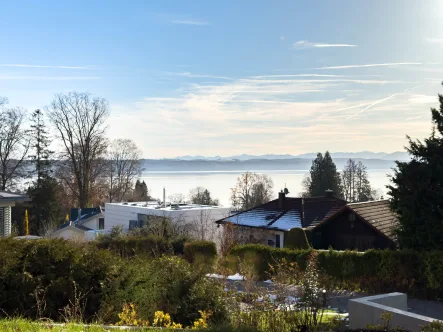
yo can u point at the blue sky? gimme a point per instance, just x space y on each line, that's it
230 77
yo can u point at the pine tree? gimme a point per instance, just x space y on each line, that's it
141 192
43 192
323 176
417 190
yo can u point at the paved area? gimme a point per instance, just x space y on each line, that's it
339 300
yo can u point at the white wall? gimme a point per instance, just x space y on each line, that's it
202 219
93 222
367 311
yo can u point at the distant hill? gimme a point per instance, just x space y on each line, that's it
401 156
176 165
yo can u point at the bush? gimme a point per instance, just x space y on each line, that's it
201 253
167 284
375 271
296 239
127 246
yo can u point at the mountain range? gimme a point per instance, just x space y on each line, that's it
401 156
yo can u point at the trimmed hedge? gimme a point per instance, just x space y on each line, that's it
375 271
130 246
296 239
201 253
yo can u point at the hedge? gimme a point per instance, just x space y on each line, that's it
129 246
417 273
296 239
201 253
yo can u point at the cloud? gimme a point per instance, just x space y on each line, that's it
288 114
282 37
44 66
304 44
49 78
434 40
189 22
391 64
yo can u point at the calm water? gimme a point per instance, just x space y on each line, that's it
220 182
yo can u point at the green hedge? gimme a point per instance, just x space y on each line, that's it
375 271
296 239
201 253
129 246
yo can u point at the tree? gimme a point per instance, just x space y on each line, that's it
355 182
176 198
200 195
141 192
417 190
44 206
251 190
80 122
323 176
14 146
122 169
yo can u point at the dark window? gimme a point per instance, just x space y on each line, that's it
101 223
133 224
351 216
277 240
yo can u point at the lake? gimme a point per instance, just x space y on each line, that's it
219 183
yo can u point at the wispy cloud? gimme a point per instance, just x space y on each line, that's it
191 75
190 22
434 40
49 78
389 64
304 44
44 66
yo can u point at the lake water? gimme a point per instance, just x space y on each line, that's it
219 183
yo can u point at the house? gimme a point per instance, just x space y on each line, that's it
8 200
361 226
330 221
82 224
197 220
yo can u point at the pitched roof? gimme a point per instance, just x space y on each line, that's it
378 214
76 225
86 213
295 213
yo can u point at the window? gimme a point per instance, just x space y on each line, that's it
351 216
101 223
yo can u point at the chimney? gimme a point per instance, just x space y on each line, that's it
329 193
281 199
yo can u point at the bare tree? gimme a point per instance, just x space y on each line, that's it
123 168
356 186
176 198
80 123
251 190
14 146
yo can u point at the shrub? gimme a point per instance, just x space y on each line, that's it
127 246
417 273
296 239
201 253
435 326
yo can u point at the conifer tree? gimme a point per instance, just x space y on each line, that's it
417 190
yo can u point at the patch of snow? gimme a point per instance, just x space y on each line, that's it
215 275
236 277
268 281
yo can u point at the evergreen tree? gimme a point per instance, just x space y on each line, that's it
141 192
44 209
200 195
323 176
417 190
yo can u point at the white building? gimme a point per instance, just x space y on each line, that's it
198 219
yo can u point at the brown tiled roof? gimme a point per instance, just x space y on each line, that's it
379 214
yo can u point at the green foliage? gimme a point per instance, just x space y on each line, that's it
435 326
417 194
129 246
141 192
323 176
201 253
296 239
167 284
375 271
200 195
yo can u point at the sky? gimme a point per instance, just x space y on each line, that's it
231 77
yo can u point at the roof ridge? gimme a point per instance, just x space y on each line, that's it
368 202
